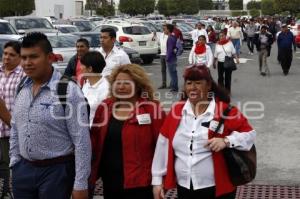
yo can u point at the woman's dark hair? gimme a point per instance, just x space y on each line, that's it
210 26
14 45
39 39
203 37
95 60
170 27
201 72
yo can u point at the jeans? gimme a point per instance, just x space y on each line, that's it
250 44
237 45
221 72
34 182
173 74
163 70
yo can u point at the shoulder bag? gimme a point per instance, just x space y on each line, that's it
229 63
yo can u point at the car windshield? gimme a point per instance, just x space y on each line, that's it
63 41
84 25
68 29
136 30
33 23
151 27
6 28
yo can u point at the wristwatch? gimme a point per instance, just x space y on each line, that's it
226 141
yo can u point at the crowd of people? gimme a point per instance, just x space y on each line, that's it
100 119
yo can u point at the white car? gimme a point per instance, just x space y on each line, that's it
135 36
6 28
66 28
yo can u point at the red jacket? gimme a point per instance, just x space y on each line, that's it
222 181
178 33
138 142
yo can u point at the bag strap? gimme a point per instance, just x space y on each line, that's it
20 85
225 113
224 50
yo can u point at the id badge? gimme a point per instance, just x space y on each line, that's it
144 119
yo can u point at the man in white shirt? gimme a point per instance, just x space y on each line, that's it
199 31
163 51
113 55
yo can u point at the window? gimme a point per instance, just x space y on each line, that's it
136 30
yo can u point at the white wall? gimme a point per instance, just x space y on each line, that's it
54 7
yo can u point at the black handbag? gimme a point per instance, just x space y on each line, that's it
229 63
241 165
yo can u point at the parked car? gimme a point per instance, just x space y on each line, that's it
135 36
66 28
6 28
94 40
24 24
64 47
186 33
83 25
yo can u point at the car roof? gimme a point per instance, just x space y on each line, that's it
26 17
10 37
64 25
85 33
3 21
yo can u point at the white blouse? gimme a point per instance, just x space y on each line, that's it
193 163
220 53
204 58
95 94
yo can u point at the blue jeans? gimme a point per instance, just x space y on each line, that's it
237 45
33 182
173 74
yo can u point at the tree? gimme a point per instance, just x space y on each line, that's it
135 7
254 13
205 4
189 7
254 5
267 7
162 7
293 6
236 4
106 10
16 7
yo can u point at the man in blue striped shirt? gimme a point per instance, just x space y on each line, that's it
50 146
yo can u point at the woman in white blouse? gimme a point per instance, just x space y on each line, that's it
188 152
224 48
201 53
96 87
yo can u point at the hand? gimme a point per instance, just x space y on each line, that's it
214 65
216 144
158 192
237 60
82 194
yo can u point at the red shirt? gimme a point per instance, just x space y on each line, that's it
222 180
78 76
138 141
178 33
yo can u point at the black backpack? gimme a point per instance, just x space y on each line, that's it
61 90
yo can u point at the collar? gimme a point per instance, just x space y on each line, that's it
17 70
113 50
51 84
210 111
96 85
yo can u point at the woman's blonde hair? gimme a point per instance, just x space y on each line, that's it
143 85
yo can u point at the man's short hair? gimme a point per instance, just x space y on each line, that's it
14 45
37 39
95 60
170 27
85 41
111 32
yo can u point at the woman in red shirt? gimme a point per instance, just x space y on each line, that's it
124 134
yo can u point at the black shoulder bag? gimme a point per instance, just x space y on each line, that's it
229 63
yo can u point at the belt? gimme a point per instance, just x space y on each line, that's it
52 161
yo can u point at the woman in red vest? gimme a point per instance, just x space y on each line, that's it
124 135
188 152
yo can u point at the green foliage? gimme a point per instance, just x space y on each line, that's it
206 4
238 13
293 6
255 13
254 5
162 7
189 7
16 7
135 7
236 4
106 10
267 7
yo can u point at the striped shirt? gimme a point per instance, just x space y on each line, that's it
8 86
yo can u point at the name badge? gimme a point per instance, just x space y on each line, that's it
144 119
213 126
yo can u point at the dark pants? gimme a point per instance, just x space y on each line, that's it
163 70
225 82
286 57
206 193
33 182
4 164
135 193
172 67
250 44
